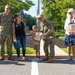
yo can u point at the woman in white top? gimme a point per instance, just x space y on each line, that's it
69 35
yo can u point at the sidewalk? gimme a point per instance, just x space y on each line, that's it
58 51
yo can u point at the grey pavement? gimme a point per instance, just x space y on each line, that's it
15 67
57 67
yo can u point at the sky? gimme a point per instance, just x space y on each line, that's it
33 10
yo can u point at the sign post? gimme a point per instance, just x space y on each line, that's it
22 15
38 12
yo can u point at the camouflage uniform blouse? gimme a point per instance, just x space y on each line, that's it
6 23
48 30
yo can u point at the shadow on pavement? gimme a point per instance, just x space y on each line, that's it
15 62
59 61
22 62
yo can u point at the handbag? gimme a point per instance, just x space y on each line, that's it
17 45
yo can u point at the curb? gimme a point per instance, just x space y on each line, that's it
31 56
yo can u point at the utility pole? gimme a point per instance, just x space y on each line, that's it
38 12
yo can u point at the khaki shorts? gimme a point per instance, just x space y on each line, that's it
36 47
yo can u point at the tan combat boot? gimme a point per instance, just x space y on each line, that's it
50 60
10 57
45 58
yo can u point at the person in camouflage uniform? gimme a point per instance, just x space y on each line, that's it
48 37
6 20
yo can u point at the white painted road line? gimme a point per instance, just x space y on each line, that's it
34 68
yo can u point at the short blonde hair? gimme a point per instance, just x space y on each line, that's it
34 26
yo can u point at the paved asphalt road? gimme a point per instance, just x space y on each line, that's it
57 67
15 68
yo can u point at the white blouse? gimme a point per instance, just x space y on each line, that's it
66 25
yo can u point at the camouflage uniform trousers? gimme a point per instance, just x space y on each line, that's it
49 45
6 38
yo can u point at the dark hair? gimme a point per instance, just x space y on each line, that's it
15 16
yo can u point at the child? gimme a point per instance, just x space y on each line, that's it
36 41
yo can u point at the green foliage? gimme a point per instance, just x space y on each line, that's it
29 50
17 5
30 21
55 11
61 34
62 37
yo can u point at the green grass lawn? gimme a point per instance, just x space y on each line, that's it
62 38
29 50
64 49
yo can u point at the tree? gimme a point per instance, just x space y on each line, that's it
55 11
30 21
17 5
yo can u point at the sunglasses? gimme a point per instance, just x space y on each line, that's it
70 13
